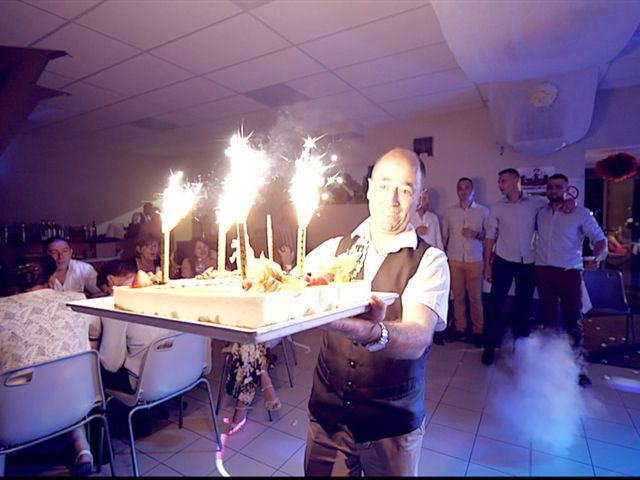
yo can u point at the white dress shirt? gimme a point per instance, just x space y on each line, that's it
429 219
430 284
81 276
513 224
125 343
455 218
559 237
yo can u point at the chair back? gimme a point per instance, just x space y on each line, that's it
41 399
171 364
606 290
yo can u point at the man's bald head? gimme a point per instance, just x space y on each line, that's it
410 156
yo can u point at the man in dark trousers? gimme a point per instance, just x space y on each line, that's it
367 408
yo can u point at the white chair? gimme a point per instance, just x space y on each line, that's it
42 401
171 366
227 362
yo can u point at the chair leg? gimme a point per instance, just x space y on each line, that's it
100 447
631 324
132 444
295 355
105 431
286 362
223 379
181 412
214 415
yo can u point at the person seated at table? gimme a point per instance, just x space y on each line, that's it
249 368
615 243
123 344
71 275
198 261
37 326
148 253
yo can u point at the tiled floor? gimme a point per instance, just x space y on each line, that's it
481 422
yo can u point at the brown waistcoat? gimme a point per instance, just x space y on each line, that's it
375 396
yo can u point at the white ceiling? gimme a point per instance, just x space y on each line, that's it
160 74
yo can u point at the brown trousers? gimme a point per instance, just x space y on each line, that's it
339 455
467 277
557 285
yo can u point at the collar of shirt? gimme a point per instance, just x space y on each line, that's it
525 197
406 239
473 204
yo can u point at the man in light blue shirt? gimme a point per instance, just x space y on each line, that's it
558 262
510 229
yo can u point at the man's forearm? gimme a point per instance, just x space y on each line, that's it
488 249
599 249
407 340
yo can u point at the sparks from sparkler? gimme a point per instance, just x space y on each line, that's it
248 167
177 201
308 180
245 177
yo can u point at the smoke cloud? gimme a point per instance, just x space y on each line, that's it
538 394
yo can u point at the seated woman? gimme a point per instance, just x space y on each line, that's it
37 326
147 253
198 261
249 367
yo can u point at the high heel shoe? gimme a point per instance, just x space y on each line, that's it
239 419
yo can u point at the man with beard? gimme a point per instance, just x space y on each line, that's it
558 262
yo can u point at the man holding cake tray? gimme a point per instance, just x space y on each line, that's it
367 408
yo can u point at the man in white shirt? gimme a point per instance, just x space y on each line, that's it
70 275
123 344
367 401
426 223
510 228
559 264
463 232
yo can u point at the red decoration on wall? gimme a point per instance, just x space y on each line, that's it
617 167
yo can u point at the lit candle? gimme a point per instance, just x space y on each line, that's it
241 228
306 183
247 172
302 247
269 237
177 201
222 248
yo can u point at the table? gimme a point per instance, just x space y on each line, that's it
104 307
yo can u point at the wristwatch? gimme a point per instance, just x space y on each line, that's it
381 342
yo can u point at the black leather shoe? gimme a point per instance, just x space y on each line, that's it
437 338
583 380
488 356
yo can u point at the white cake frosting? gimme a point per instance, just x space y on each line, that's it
223 301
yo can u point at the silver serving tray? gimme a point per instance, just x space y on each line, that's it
104 307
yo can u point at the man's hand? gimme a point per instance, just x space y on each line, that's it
569 205
285 252
363 328
377 311
467 232
486 273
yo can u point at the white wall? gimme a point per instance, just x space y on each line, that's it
464 145
80 182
